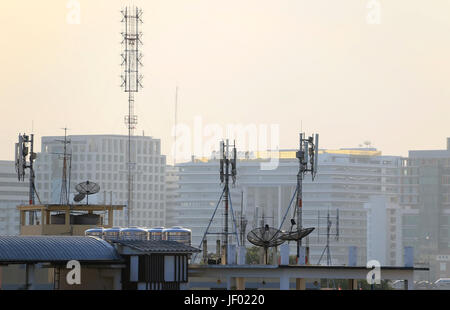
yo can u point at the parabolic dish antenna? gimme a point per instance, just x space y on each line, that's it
85 189
296 235
265 237
78 197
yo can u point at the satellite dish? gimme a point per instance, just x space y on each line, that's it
296 235
78 197
87 188
265 237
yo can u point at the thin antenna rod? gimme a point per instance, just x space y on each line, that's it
176 123
64 198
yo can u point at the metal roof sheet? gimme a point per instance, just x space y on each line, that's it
55 248
158 246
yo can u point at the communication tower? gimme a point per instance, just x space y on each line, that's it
307 155
227 169
24 158
131 82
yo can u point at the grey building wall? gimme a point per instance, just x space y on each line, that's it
103 160
346 180
12 193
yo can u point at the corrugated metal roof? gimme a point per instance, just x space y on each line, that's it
158 246
55 248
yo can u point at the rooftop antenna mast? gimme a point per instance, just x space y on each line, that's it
64 196
226 160
131 82
243 221
308 159
175 133
328 233
24 149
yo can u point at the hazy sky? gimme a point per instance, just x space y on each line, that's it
236 61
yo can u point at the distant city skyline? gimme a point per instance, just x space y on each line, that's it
319 66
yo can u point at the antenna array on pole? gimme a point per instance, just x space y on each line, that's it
24 150
227 170
308 159
227 160
131 82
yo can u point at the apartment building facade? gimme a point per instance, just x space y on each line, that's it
346 180
425 198
12 193
103 159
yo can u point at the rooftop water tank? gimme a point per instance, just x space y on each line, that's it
112 233
155 233
179 234
134 233
95 232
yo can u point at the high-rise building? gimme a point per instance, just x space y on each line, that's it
171 197
12 193
384 231
426 209
103 159
346 180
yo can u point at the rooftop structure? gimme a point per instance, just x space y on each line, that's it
124 264
65 219
36 249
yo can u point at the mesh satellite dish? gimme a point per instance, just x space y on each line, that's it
78 197
265 237
85 189
296 235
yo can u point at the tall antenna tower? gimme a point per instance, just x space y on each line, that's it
225 161
227 170
308 159
131 82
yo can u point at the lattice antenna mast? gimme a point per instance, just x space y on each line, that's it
131 82
227 160
308 159
64 195
328 233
